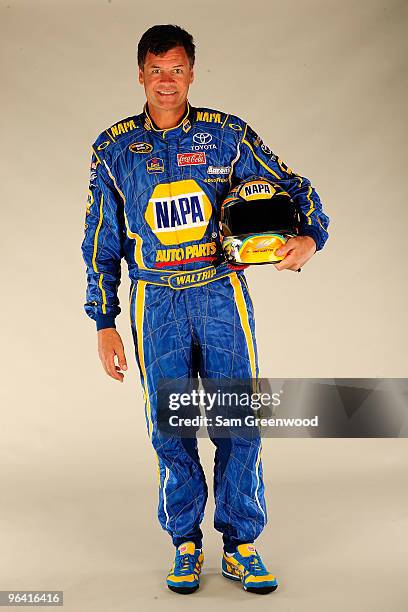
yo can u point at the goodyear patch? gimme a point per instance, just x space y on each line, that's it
216 179
140 147
256 190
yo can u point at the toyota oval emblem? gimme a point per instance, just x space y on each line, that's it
202 138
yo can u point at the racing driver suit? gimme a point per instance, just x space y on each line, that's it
154 199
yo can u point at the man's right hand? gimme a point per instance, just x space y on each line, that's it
110 345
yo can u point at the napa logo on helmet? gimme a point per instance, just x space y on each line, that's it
256 190
178 212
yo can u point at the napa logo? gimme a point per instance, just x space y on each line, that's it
178 212
256 190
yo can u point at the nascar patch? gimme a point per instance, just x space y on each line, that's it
140 147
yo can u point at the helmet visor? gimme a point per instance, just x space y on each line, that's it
277 214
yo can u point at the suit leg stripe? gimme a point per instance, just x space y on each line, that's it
165 496
139 320
243 316
258 461
139 317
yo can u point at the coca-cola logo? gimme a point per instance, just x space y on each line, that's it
190 159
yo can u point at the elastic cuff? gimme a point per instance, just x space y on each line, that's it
104 321
312 233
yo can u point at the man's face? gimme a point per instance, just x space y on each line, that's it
166 79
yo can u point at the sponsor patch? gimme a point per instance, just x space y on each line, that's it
155 165
218 169
184 280
202 138
202 142
258 142
178 212
140 147
191 159
89 202
123 127
192 252
187 126
208 117
103 145
216 179
266 149
93 173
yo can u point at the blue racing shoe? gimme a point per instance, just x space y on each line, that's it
184 575
246 565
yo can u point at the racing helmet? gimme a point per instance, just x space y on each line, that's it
257 217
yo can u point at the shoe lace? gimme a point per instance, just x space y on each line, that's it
255 564
185 563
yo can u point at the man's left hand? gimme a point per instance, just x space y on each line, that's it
297 252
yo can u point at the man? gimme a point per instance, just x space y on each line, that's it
157 182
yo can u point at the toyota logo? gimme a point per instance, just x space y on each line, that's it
202 138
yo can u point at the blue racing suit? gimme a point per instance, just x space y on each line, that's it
154 199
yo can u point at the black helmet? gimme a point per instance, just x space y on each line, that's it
257 217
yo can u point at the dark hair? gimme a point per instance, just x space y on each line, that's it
161 38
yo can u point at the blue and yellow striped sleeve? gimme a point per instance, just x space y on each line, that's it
102 246
257 159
